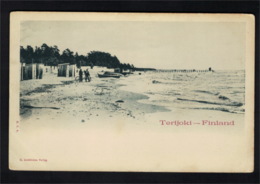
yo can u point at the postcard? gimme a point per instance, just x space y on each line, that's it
131 92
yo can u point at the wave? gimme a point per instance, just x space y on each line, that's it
220 109
237 104
207 92
222 97
164 93
160 82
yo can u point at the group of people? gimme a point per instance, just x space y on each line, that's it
86 73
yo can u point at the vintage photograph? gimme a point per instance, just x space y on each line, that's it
131 92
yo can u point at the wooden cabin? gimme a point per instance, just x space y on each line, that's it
31 71
66 70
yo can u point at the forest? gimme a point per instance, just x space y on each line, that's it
51 56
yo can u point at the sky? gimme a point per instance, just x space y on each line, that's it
160 45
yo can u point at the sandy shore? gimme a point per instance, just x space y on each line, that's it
55 98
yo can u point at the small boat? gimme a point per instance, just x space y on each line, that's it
109 74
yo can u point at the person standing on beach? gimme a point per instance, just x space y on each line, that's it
80 75
87 75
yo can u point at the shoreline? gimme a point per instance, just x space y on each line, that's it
54 97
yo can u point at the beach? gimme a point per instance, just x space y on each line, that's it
131 96
111 124
56 97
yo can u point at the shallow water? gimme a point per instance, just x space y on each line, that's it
218 91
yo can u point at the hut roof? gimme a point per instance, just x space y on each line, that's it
63 64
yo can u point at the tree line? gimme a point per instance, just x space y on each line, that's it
51 56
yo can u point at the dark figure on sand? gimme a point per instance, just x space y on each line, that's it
87 75
80 75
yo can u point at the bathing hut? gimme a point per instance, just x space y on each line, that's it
66 70
31 71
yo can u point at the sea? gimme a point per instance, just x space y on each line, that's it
216 91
